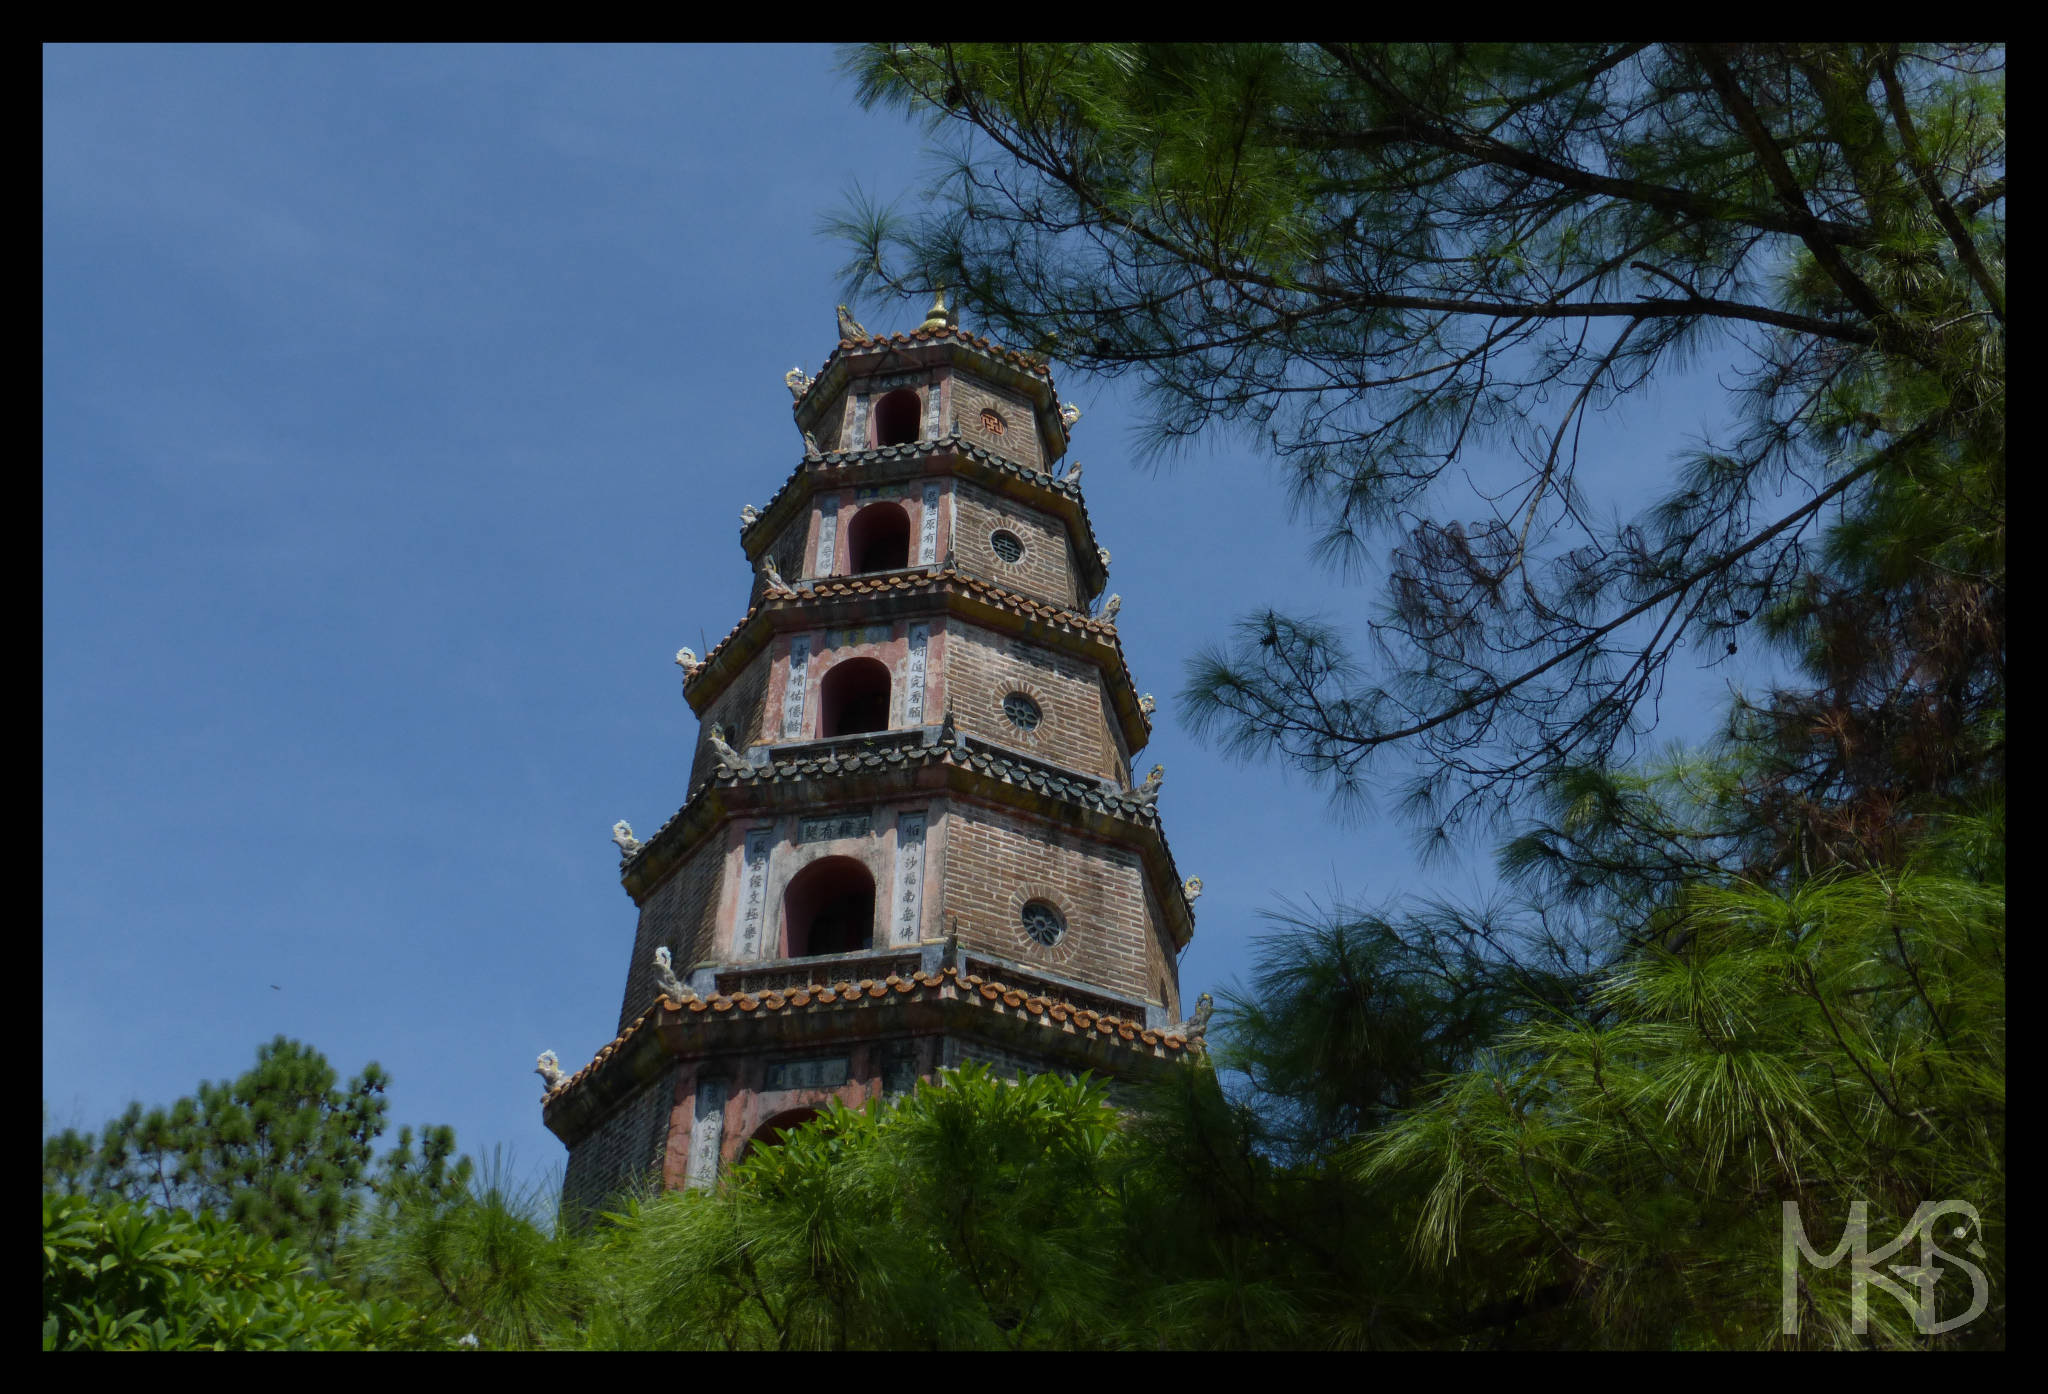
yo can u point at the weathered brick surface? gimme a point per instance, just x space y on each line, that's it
742 710
1046 570
1018 439
791 548
624 1149
681 915
983 667
830 432
996 861
1162 962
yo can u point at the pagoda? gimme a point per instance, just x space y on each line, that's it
912 837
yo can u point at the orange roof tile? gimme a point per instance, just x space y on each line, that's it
1046 1012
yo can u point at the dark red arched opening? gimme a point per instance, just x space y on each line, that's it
853 698
878 538
771 1133
829 908
896 418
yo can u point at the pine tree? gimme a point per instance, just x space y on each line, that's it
1767 970
1381 260
282 1151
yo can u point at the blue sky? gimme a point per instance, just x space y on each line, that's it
399 405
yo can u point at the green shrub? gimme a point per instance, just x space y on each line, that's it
122 1276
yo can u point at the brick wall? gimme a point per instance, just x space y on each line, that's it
788 553
790 549
996 861
983 667
1113 728
1046 570
1019 438
831 428
1162 961
741 709
682 914
625 1148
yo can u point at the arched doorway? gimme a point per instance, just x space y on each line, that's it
896 418
829 908
878 539
854 697
772 1133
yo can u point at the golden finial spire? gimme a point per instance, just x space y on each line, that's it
935 317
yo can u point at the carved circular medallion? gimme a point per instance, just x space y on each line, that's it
1007 545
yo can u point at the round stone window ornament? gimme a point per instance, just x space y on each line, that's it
1022 711
1043 923
991 421
1007 545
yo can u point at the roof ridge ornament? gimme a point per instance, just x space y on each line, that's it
629 845
722 748
938 316
1148 792
665 978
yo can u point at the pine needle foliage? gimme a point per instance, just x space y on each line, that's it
1413 272
479 1254
975 1214
1842 1040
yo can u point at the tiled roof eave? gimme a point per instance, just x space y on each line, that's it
974 770
676 1027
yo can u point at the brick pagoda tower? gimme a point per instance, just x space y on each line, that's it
912 837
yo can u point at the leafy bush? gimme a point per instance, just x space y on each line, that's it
122 1276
